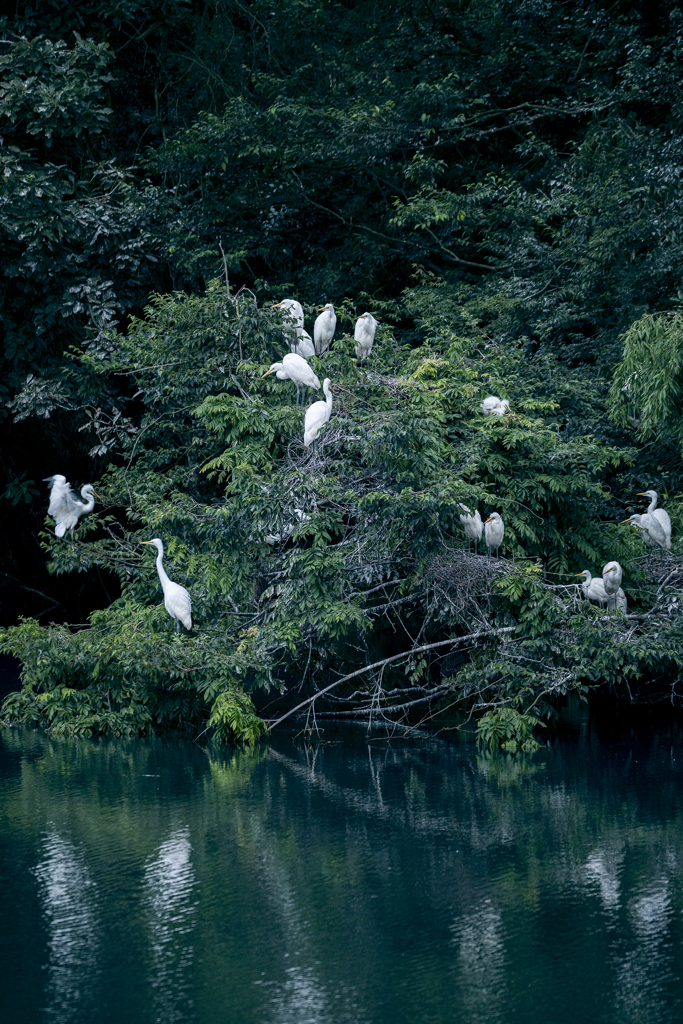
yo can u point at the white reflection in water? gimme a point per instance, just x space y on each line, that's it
480 967
170 904
602 869
642 971
68 895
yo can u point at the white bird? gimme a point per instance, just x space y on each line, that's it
65 507
294 320
304 344
323 329
287 529
364 335
176 599
660 515
472 525
494 530
594 590
651 531
294 367
493 406
318 414
611 577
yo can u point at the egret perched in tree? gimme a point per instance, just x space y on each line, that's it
611 577
594 590
318 414
323 329
660 515
364 335
472 525
651 531
294 367
176 599
294 319
493 406
304 344
494 530
64 507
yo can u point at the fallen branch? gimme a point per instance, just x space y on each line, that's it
387 661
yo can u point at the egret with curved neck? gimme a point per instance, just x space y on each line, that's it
176 599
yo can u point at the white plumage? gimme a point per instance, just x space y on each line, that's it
493 406
294 367
494 529
594 590
176 599
323 329
364 336
472 525
294 320
304 344
65 507
660 515
651 531
318 414
611 577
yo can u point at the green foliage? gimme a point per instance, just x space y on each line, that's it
507 729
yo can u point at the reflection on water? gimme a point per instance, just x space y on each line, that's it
68 898
170 905
353 879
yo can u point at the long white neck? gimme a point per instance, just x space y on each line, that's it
328 395
160 566
653 504
89 497
588 580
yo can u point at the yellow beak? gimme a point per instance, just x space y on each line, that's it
276 306
265 374
145 542
580 573
488 520
625 521
642 494
606 570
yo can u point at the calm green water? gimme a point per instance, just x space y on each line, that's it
381 881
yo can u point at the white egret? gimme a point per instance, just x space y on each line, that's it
323 329
660 515
493 406
651 531
611 577
318 414
304 344
294 320
294 367
494 530
65 507
364 335
472 525
594 590
176 599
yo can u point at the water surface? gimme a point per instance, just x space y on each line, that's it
349 879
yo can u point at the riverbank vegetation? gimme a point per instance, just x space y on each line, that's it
500 186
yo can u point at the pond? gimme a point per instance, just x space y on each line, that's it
354 878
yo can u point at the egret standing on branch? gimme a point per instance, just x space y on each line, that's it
304 344
493 406
323 329
660 515
472 525
651 531
294 367
594 590
364 336
294 319
64 507
318 414
494 529
611 577
176 599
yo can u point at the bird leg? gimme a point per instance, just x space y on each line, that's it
177 627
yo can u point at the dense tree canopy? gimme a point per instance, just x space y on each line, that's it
500 184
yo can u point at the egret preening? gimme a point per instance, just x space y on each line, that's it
323 329
65 508
651 531
472 525
304 344
364 335
176 599
318 414
493 406
660 515
494 530
611 577
294 317
594 590
294 367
